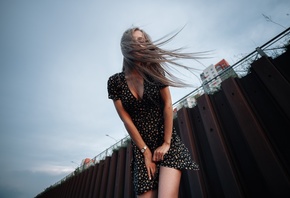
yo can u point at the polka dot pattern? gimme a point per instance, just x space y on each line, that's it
147 115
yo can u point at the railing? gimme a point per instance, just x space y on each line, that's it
108 152
272 48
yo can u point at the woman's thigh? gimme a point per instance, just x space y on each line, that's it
169 180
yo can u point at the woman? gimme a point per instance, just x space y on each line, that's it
142 99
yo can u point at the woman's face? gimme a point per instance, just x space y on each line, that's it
138 36
139 40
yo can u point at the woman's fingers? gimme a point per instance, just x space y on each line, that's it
158 155
155 155
151 172
150 165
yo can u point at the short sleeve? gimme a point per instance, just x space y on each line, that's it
113 88
161 85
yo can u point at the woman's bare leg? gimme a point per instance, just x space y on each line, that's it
149 194
169 180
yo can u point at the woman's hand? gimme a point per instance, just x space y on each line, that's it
150 165
160 152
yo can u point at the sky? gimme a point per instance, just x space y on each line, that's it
57 55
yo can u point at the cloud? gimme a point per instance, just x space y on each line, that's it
52 169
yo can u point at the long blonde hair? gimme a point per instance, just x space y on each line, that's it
154 61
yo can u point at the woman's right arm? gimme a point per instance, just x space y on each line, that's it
136 137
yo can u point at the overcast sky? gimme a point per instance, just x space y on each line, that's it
56 57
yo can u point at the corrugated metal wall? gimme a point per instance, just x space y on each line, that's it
239 136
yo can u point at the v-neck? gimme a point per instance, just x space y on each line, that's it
137 99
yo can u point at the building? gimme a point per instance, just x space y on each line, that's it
213 75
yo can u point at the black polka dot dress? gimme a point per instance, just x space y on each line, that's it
147 115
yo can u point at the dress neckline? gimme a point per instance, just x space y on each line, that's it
131 93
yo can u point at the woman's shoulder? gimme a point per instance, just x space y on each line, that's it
114 85
116 76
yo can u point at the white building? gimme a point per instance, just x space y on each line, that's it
210 79
213 75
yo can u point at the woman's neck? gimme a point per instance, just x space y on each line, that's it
132 74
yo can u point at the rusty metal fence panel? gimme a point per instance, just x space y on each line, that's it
120 174
112 175
192 180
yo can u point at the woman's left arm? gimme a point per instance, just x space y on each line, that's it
168 124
